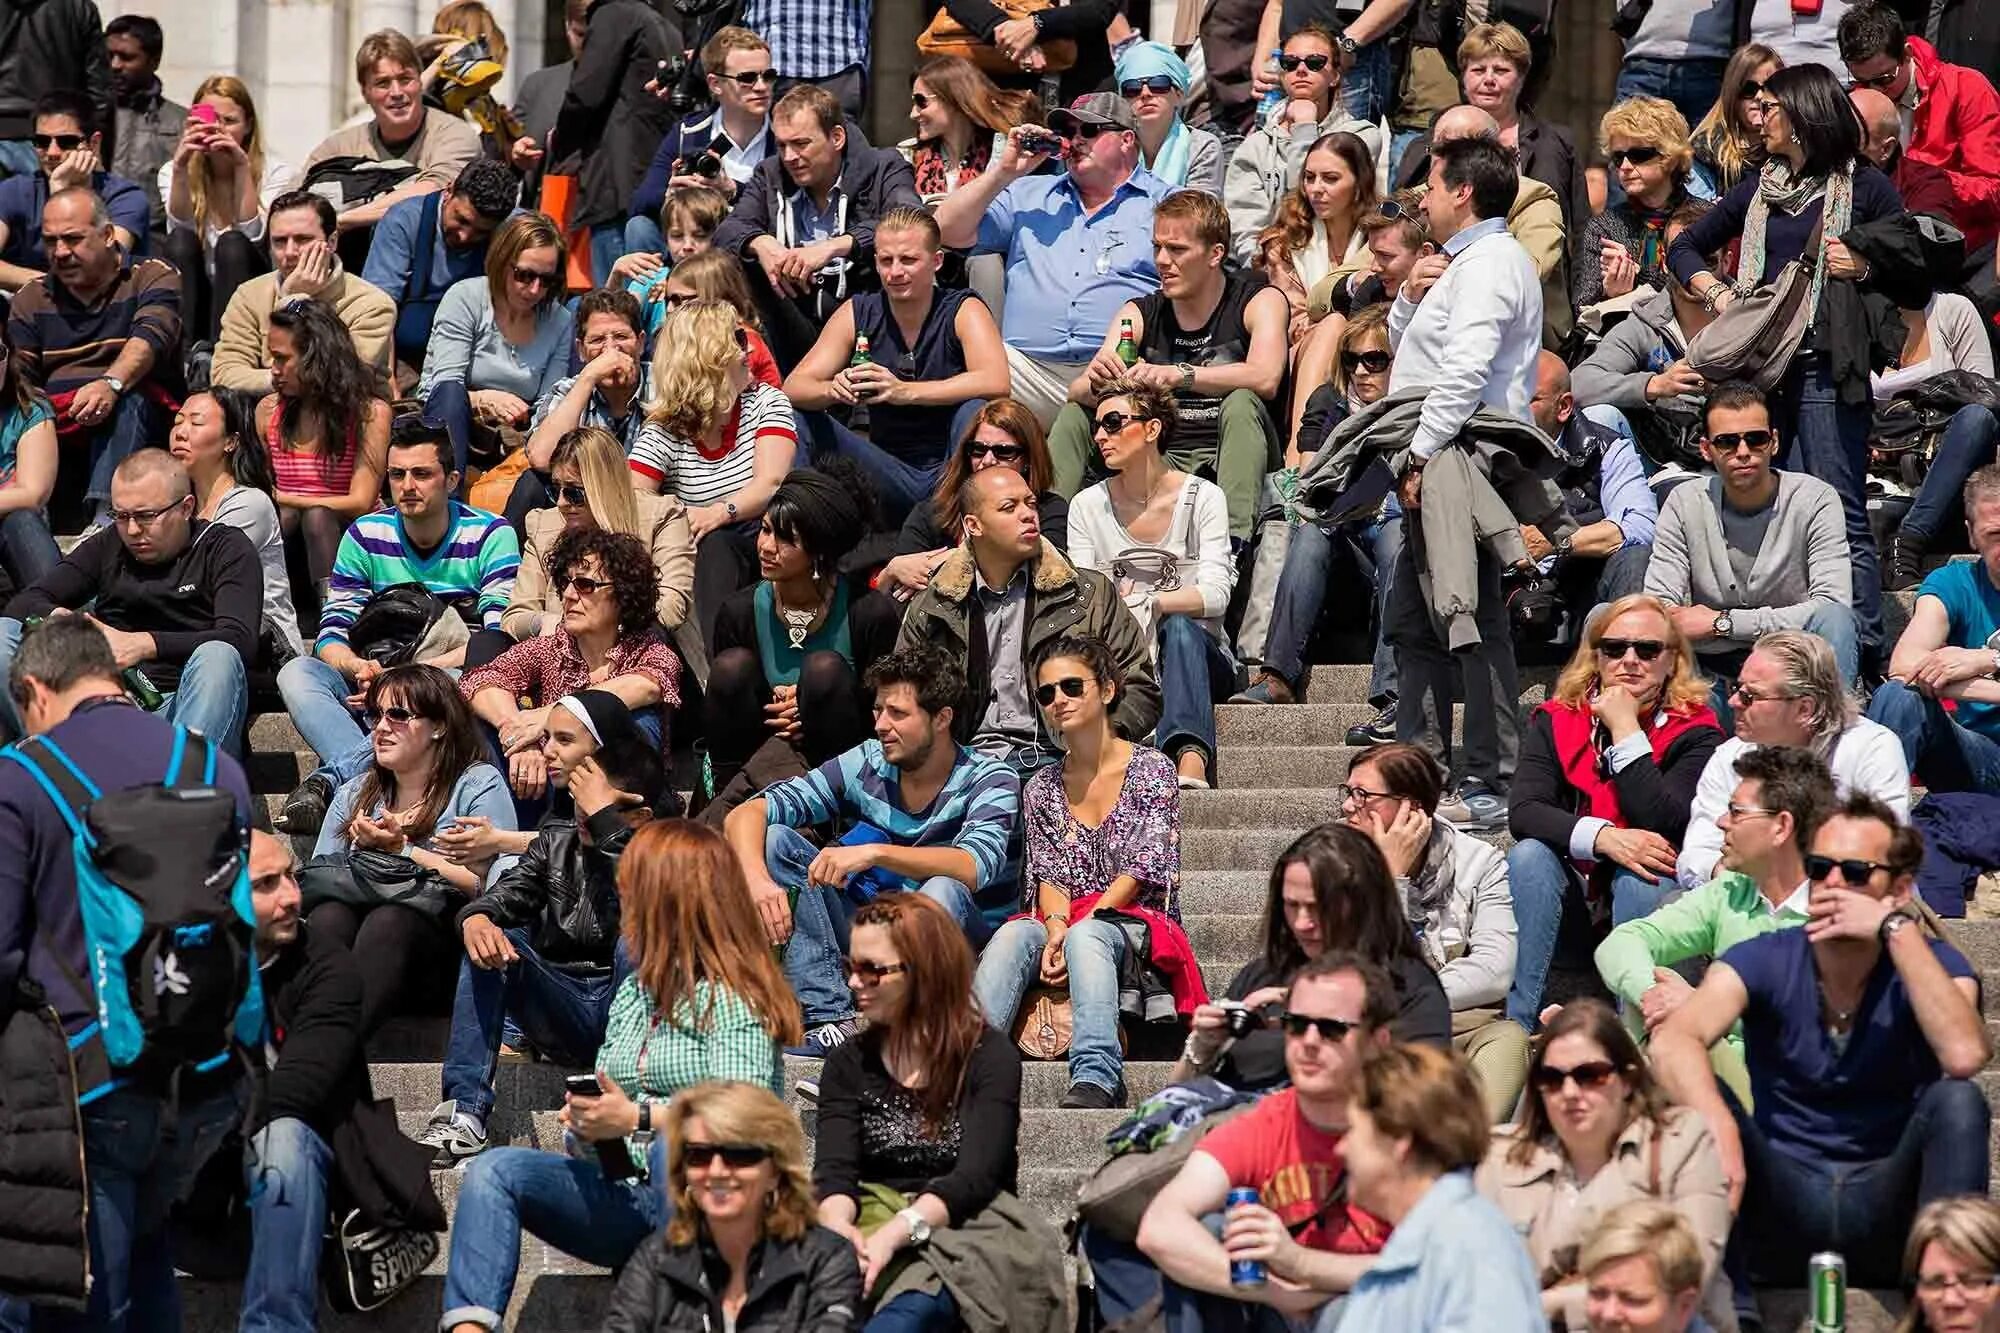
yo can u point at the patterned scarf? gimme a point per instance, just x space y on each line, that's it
1776 189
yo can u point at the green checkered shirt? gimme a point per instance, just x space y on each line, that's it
729 1046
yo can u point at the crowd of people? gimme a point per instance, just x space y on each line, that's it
752 592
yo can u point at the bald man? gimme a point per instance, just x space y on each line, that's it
1925 188
179 597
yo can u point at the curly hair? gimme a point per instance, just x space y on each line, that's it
627 565
1293 229
335 387
1655 123
691 361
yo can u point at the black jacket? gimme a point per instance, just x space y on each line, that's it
874 180
607 114
51 45
1547 154
313 991
42 1190
1543 805
810 1285
564 890
1860 324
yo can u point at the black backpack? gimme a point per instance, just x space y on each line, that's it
347 181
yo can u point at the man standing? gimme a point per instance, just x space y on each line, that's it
611 120
820 42
148 125
426 244
1078 245
69 152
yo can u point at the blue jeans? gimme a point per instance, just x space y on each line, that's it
915 1312
1540 878
449 408
1945 754
212 698
284 1169
566 1201
135 424
1196 673
561 1013
644 237
1367 89
1095 950
17 158
1691 85
1301 597
820 919
900 485
26 547
1967 446
1829 439
316 697
1399 144
607 247
1832 622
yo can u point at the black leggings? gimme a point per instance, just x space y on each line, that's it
316 532
204 298
724 562
406 957
833 716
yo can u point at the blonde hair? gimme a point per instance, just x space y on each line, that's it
233 88
1496 39
472 20
607 481
1724 134
691 360
1646 1229
1685 687
1654 122
1968 1226
739 1113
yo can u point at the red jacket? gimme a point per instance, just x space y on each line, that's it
1957 128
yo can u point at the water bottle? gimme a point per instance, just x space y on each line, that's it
1267 109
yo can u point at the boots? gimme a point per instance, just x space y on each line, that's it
1905 566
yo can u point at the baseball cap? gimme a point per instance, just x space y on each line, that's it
1096 112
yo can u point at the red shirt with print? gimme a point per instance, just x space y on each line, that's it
1294 1166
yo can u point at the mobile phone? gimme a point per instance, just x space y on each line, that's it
203 114
582 1085
1806 9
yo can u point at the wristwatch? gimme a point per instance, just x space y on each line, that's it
645 1117
1187 376
1995 672
1724 626
729 508
1892 923
1348 46
117 385
920 1229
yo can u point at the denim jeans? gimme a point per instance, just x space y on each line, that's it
17 158
644 237
820 919
1691 85
449 408
1196 673
1300 599
284 1170
316 697
26 546
1010 965
607 247
566 1201
1967 446
1830 621
212 698
1829 439
915 1312
136 423
1367 89
1540 878
1945 754
900 485
561 1013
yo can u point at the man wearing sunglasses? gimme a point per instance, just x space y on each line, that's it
1313 1243
1751 549
735 133
1862 1034
68 147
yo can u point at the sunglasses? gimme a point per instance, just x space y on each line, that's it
584 586
1003 453
1731 440
1751 695
572 495
1876 80
1395 212
871 974
921 101
1113 422
395 717
1638 157
1751 88
534 277
1852 870
1157 83
736 1156
1070 685
1315 63
1588 1075
69 143
1614 649
1375 363
1329 1029
742 340
751 78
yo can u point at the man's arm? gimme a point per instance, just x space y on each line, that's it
389 263
1683 929
985 374
13 277
239 349
1631 513
1669 575
1680 1060
750 217
1105 363
1947 1007
1262 371
72 583
1172 1233
322 1039
1482 313
372 212
960 213
156 323
810 385
922 863
1701 845
1929 627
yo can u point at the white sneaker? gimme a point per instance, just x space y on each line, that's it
454 1134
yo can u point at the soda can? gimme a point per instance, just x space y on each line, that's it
1244 1272
1827 1279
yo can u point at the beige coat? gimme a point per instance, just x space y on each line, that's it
1554 1217
242 359
662 516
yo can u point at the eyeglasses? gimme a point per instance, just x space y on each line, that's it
1751 88
1315 63
584 586
871 974
1973 1285
1876 80
395 717
1113 422
571 495
1731 440
1329 1029
735 1156
1853 870
69 143
1375 363
742 340
1613 649
751 78
1751 695
1000 453
1590 1074
1157 83
534 277
1638 157
1735 811
1347 792
1072 686
141 518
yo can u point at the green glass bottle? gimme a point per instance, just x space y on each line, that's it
1128 346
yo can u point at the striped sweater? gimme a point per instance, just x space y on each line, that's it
473 566
61 344
975 812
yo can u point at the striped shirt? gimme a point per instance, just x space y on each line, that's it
687 470
61 344
473 565
812 39
974 812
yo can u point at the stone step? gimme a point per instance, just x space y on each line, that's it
1296 808
1248 766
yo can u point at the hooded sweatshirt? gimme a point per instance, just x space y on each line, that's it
1270 162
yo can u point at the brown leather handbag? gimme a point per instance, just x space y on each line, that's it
946 36
1043 1028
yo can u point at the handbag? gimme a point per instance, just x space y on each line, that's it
365 1267
1045 1024
367 878
946 36
1758 334
1142 573
1117 1194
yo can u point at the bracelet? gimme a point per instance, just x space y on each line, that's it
1187 1054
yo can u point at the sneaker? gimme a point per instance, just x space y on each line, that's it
1475 808
1269 689
1377 730
1084 1096
453 1135
820 1041
305 809
807 1091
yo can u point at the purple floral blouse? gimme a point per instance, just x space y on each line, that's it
1141 837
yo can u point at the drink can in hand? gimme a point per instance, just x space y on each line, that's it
1244 1272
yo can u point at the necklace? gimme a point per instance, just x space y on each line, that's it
798 624
1146 501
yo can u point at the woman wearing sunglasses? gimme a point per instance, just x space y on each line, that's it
1607 774
1102 831
706 275
1727 143
919 1119
706 1005
741 1194
1952 1262
1596 1131
1625 246
1002 433
500 342
1155 81
960 116
429 771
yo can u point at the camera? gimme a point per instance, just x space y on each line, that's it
684 93
1042 141
708 166
1239 1019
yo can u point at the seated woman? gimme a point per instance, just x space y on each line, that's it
1625 247
1608 771
960 116
430 769
1102 830
1002 432
705 1003
326 431
1596 1132
500 341
216 187
706 275
1155 81
1454 890
1331 889
1947 334
741 1247
27 475
608 640
784 687
1642 1271
215 438
718 440
919 1120
1163 537
1950 1261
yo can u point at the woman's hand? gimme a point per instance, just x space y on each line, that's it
907 575
524 729
851 1233
1401 839
496 408
1615 707
1725 296
1619 269
1055 967
193 143
528 774
596 1119
471 840
781 715
637 266
1014 37
379 835
1641 851
704 519
225 153
879 1249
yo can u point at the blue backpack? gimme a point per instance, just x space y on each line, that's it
163 890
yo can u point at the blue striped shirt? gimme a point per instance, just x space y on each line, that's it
812 39
974 812
475 564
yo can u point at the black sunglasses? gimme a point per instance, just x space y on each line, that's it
1113 422
1157 83
1638 157
401 717
1750 88
1329 1029
584 586
1589 1074
1372 362
1613 649
1730 440
872 973
69 143
534 277
1071 686
736 1156
921 101
1395 212
1876 80
1005 453
1852 870
742 340
571 494
750 78
1315 63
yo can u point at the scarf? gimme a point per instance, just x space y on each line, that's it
1776 189
1145 60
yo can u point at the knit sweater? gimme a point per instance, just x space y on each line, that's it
241 361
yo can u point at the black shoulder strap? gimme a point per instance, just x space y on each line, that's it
419 287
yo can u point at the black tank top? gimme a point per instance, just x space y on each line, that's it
920 436
1222 341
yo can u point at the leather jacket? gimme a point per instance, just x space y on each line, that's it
563 892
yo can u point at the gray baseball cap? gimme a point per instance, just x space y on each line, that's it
1098 111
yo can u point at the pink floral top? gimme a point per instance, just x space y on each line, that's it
545 668
1141 837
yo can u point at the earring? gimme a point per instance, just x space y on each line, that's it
437 735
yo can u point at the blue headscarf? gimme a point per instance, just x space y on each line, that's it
1143 60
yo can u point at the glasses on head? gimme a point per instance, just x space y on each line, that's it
1751 88
1395 212
736 1156
141 518
1750 694
1072 686
1973 1285
1157 83
1315 62
1638 157
571 495
1731 440
68 143
751 78
584 586
871 974
1113 422
1590 1074
395 717
1329 1029
999 453
1347 793
535 277
1735 811
1375 363
1613 649
1853 870
1877 81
